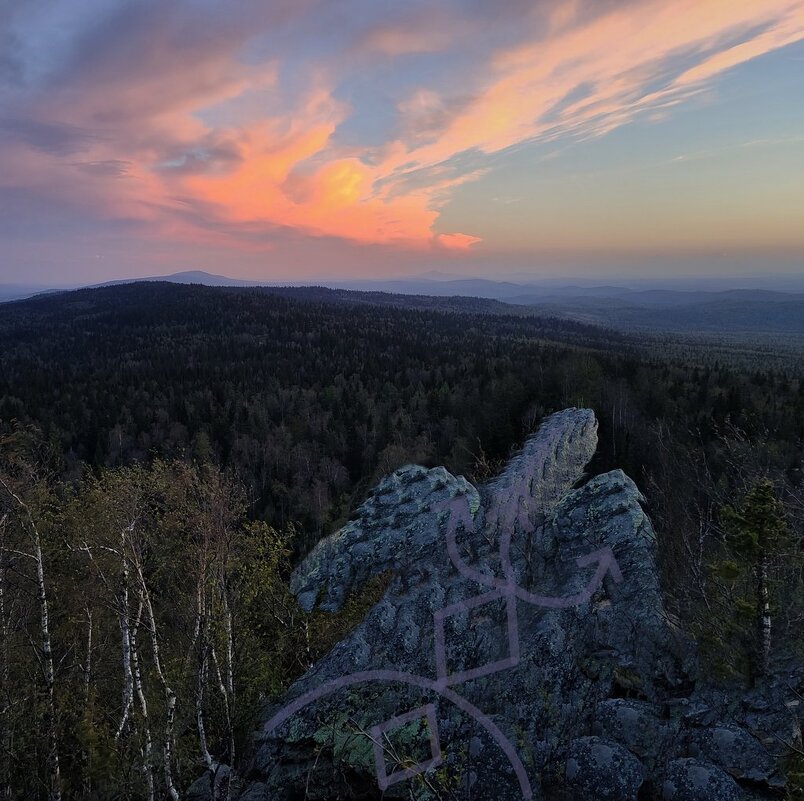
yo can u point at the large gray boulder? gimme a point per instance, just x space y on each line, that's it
736 751
636 725
520 650
693 780
598 770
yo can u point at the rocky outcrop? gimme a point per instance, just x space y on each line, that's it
598 770
521 650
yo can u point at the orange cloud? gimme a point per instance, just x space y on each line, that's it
297 178
288 176
201 167
457 241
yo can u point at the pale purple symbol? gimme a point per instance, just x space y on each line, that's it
380 733
446 678
459 512
329 687
506 515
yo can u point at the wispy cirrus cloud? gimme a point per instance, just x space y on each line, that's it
591 76
247 116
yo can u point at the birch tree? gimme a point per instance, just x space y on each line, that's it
23 475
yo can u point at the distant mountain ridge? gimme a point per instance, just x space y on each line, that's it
433 282
727 311
20 291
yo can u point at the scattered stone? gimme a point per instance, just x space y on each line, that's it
737 752
600 770
634 724
210 786
693 780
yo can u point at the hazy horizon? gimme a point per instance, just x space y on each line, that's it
792 283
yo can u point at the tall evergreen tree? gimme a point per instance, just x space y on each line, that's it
760 541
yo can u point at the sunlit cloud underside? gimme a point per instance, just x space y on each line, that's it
251 127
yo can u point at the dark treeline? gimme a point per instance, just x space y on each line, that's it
312 401
168 449
306 400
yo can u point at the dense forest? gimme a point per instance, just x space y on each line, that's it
305 400
310 401
169 451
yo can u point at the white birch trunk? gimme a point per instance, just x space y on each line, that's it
202 658
201 681
86 784
88 662
125 642
170 695
228 690
49 675
49 672
147 753
229 728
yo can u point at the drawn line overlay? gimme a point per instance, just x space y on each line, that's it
505 589
415 681
384 780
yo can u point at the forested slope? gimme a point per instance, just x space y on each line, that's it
169 451
311 395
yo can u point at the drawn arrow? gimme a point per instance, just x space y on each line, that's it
606 563
458 508
459 512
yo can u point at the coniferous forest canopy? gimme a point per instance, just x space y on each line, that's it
169 452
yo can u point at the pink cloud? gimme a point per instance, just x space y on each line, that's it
457 241
618 54
171 110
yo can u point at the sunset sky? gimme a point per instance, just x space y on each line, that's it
294 139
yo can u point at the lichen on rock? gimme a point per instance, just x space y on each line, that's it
527 614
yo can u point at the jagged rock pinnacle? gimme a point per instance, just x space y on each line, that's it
521 649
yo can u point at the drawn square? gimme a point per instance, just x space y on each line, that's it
379 732
445 678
